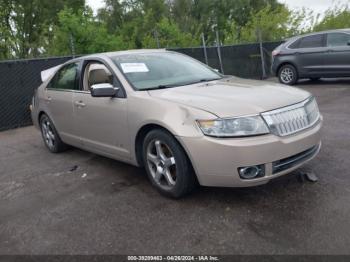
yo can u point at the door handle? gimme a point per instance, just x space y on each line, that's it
79 104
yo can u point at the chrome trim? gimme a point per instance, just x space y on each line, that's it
68 90
294 160
292 119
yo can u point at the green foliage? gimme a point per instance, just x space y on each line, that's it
79 32
273 23
60 27
169 35
334 19
25 25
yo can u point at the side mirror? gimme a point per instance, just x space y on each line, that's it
103 90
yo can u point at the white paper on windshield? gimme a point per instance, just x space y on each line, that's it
134 67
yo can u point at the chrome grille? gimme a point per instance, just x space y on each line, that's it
291 119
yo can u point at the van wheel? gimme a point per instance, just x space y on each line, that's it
167 165
51 138
288 75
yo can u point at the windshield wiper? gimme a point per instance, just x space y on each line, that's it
204 80
182 84
158 87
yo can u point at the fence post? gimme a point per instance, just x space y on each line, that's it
264 76
155 32
204 49
219 50
72 47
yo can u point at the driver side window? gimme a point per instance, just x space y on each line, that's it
97 73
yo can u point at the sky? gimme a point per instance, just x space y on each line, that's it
318 6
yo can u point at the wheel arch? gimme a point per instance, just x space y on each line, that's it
43 112
40 114
140 136
286 63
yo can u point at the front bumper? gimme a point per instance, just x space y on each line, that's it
216 161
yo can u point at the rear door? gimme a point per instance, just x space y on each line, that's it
309 54
337 58
58 98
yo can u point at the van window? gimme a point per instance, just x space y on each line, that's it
311 41
338 39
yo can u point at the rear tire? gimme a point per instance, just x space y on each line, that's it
288 74
167 165
50 135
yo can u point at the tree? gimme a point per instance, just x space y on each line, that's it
169 35
334 19
207 16
81 31
26 25
273 23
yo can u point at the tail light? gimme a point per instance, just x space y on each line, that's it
275 52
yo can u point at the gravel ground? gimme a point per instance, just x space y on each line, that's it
81 203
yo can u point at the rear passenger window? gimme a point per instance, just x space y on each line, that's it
295 44
66 78
338 39
311 41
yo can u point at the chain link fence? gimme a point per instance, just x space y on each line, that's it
239 60
19 78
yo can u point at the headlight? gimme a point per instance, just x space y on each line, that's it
234 127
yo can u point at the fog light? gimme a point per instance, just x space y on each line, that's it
250 172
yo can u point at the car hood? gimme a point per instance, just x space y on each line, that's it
233 97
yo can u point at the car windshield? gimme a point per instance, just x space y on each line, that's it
163 70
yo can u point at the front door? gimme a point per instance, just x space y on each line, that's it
101 122
337 57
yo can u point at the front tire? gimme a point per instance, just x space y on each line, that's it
288 74
50 135
167 165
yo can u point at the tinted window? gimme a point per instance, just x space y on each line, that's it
338 39
66 78
295 44
311 41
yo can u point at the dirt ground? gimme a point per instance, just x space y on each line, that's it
80 203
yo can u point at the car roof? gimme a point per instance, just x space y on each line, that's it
125 52
116 53
344 30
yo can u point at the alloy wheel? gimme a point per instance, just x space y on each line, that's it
48 133
287 75
161 164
